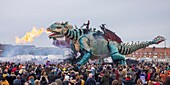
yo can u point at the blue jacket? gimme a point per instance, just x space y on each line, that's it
17 82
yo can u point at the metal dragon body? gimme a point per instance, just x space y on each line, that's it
92 45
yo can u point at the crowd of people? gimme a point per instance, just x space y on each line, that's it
143 73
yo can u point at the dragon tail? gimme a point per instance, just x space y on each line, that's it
126 48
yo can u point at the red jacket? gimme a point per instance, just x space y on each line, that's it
148 76
14 69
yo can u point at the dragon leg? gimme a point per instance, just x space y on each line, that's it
115 55
85 47
85 58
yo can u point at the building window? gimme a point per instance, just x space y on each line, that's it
161 57
161 53
133 56
155 53
141 53
145 53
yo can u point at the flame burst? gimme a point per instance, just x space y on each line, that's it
29 37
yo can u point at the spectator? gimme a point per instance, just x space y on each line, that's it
139 82
71 83
31 80
36 82
91 80
14 69
66 80
24 77
11 78
115 82
149 75
17 81
78 80
44 79
83 72
105 78
59 82
82 81
143 77
51 77
128 80
4 82
167 81
54 83
163 75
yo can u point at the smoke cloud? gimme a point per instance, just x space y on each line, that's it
13 50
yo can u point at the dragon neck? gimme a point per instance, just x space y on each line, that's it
126 48
73 34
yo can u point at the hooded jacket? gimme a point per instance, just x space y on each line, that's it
128 81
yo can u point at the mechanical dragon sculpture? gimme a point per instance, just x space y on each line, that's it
94 44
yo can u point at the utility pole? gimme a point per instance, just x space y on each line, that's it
165 48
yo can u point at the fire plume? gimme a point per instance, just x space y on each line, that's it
29 36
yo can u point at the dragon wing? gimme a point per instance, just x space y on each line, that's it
109 35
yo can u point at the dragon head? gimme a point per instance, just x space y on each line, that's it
58 29
158 39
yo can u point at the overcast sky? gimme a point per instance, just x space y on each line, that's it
132 20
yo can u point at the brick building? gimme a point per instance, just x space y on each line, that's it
151 52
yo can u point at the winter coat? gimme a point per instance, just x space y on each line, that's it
82 82
51 77
90 81
128 82
44 80
105 80
5 82
17 82
65 82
